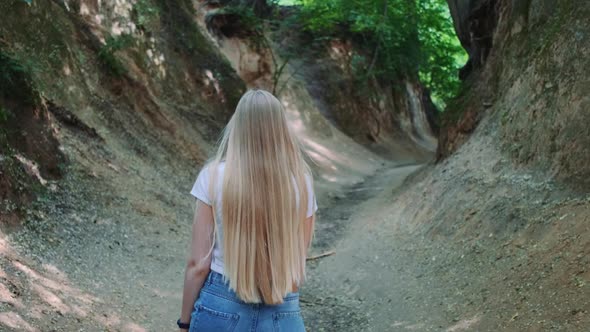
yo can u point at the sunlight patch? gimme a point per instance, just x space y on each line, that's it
464 324
15 321
31 168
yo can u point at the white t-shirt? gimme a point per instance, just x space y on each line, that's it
201 191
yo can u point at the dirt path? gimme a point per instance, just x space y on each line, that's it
424 257
108 268
110 265
382 277
332 303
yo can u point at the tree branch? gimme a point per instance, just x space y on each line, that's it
376 53
325 254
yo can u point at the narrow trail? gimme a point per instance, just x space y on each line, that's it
106 267
80 269
382 277
342 220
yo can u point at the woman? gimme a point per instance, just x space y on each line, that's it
250 233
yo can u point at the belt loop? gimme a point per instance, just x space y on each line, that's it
209 277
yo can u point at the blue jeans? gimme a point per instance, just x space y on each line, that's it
219 309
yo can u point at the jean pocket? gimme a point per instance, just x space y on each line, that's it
205 320
289 321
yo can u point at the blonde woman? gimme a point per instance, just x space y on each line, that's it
252 227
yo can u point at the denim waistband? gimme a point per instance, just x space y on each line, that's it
216 280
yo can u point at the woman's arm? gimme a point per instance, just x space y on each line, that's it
308 233
199 262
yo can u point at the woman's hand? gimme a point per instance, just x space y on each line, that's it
199 263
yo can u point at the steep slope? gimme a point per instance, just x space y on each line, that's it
495 236
535 75
316 79
120 102
110 91
108 111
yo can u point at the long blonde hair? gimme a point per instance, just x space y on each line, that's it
264 200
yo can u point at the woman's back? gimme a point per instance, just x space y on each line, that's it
253 225
201 190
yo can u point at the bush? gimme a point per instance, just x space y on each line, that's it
402 38
144 13
4 115
16 78
107 54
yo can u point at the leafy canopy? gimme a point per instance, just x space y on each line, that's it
400 38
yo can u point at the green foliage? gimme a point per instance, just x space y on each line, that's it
4 115
10 72
182 32
144 13
248 19
402 38
246 23
16 78
442 54
182 29
107 54
358 63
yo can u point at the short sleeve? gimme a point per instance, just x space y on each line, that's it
312 204
201 187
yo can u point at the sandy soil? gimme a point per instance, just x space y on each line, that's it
472 244
400 264
70 270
